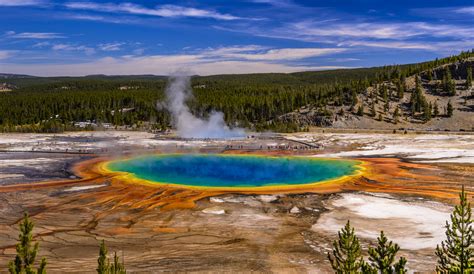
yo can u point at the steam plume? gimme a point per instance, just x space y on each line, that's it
188 125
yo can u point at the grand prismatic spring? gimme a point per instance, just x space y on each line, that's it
233 171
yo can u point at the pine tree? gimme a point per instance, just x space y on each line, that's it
382 258
104 265
429 75
346 254
116 267
354 99
436 109
417 99
384 93
412 105
26 251
427 109
452 88
42 267
372 110
396 114
102 261
360 110
449 109
469 78
456 253
448 84
400 90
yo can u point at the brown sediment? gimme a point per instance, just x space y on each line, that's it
393 175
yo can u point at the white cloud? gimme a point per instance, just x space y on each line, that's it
451 47
161 11
276 3
106 19
344 59
5 54
205 62
69 47
443 30
465 10
41 44
389 44
402 35
34 35
13 3
159 65
377 30
139 51
110 46
255 52
458 13
234 49
286 54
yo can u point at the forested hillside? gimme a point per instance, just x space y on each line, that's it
413 94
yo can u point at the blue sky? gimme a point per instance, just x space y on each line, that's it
47 37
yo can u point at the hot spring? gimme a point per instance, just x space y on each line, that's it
232 171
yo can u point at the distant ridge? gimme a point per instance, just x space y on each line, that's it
115 76
11 76
17 76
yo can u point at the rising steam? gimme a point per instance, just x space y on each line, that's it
188 125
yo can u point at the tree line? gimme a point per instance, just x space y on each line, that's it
254 101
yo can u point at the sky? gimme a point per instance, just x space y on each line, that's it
75 38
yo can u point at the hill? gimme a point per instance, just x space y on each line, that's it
419 101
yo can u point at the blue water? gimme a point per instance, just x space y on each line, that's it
216 170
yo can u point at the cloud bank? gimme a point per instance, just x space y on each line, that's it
223 60
161 11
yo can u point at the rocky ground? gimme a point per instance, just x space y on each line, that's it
288 233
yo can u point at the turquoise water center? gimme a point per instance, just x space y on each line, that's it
224 170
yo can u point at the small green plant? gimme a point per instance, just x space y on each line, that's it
26 251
